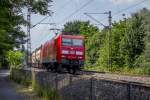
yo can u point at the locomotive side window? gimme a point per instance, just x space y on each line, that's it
77 42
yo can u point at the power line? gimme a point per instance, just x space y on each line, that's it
41 40
87 14
132 6
49 15
118 12
40 21
77 10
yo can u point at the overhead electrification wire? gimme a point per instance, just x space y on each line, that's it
118 12
95 19
77 10
61 7
40 21
122 10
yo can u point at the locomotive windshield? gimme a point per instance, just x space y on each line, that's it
77 42
72 42
66 42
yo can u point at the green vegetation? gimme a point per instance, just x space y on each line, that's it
14 59
45 92
24 80
12 36
130 44
20 77
12 19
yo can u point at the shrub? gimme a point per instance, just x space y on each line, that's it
14 59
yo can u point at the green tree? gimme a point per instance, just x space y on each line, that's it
73 27
117 37
15 59
127 43
118 33
144 59
134 40
11 20
130 43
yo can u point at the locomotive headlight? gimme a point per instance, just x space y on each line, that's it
80 57
65 52
79 53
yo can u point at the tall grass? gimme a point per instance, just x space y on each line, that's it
121 70
47 93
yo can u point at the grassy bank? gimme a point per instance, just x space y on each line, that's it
121 70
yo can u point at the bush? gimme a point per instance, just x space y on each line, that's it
14 59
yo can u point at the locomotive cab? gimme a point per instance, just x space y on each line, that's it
71 54
72 50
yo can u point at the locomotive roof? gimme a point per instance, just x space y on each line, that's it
62 35
72 36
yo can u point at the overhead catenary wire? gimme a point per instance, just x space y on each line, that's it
95 19
49 15
40 21
66 17
118 12
122 10
77 10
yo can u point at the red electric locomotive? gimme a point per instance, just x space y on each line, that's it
63 51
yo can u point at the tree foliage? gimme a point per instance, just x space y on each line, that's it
14 59
130 43
12 19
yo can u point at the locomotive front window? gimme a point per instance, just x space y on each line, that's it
77 42
66 42
72 42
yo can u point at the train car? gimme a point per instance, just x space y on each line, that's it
36 55
63 52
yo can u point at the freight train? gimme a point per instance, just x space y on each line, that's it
61 52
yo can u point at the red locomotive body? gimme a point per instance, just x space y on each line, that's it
63 51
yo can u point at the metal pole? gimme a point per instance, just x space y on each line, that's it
110 40
29 60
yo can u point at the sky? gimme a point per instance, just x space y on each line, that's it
64 12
